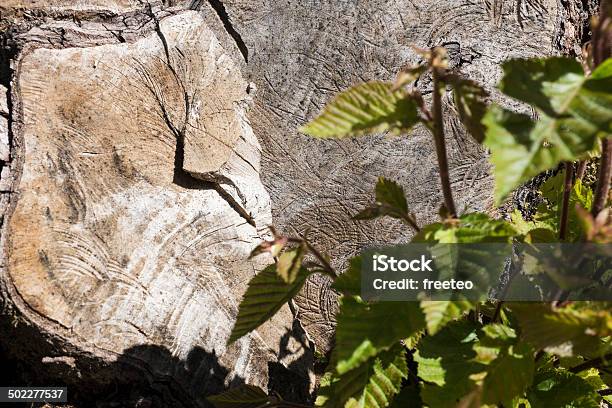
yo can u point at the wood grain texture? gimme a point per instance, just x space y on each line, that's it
150 144
301 54
125 229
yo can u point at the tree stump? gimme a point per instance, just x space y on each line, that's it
146 147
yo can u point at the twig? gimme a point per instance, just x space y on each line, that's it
438 133
497 312
606 392
603 178
567 191
582 166
602 38
411 222
591 363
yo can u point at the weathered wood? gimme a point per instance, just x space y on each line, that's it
136 202
133 185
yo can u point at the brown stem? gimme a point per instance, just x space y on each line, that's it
438 133
567 191
603 177
582 166
606 392
411 222
602 46
596 362
497 312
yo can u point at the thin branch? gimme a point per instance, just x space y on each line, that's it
438 133
582 166
606 392
592 363
603 177
602 46
411 222
567 191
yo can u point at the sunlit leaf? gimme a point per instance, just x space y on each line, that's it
560 388
574 111
439 313
290 262
370 385
544 326
367 108
364 330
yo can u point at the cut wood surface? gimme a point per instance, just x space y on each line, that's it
146 148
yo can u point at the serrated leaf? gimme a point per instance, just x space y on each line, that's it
574 112
349 283
244 396
439 313
367 108
560 388
371 385
498 386
469 98
289 263
265 295
471 228
521 148
543 326
547 83
472 366
365 330
446 361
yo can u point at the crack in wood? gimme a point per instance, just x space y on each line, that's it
219 8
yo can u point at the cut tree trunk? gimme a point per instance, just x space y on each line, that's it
146 147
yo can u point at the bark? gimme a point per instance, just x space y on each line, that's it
146 147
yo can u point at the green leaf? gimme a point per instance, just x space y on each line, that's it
364 330
473 366
543 326
390 201
509 375
244 396
549 212
469 99
289 263
522 149
446 361
439 313
371 385
266 294
533 231
548 84
560 388
472 228
367 108
349 283
574 112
